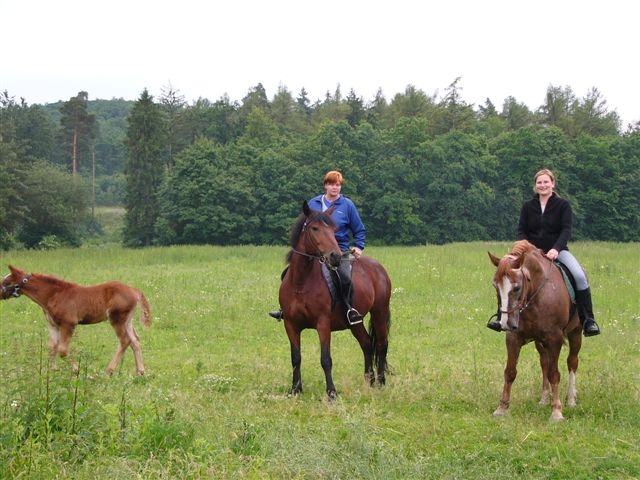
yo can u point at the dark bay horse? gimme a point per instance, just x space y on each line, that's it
535 305
306 301
66 304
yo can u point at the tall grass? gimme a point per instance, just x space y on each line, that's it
214 402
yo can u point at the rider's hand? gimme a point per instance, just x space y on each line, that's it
356 252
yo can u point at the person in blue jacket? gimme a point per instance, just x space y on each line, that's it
350 234
546 221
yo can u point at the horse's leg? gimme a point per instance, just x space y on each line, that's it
324 333
513 352
54 338
134 342
65 333
296 357
554 347
135 346
575 343
381 340
545 398
364 339
124 342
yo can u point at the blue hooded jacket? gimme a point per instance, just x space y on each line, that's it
347 220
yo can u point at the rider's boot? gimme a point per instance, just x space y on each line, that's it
346 289
585 312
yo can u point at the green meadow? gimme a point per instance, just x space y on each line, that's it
214 403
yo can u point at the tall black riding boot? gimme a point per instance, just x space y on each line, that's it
585 312
346 290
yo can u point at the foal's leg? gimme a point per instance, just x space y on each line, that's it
119 326
513 352
545 398
135 344
54 338
65 333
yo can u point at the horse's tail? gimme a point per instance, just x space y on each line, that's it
374 339
145 317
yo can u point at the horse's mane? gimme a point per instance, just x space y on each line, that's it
296 230
521 247
50 279
518 250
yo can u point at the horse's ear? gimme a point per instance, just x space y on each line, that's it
517 263
495 260
305 208
330 210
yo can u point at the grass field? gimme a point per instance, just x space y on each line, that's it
214 402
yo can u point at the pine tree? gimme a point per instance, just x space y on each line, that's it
78 129
144 171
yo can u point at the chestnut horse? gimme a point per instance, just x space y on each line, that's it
535 305
306 301
66 304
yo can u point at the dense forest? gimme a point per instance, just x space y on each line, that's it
422 169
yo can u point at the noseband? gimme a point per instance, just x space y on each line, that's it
15 288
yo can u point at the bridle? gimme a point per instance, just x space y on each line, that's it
15 288
526 300
320 258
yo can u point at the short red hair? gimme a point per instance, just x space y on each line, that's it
333 176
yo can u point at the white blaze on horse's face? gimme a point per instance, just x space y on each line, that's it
509 293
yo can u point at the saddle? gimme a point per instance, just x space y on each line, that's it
568 280
331 279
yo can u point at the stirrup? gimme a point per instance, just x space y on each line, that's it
353 316
277 314
494 324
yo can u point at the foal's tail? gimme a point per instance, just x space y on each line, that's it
145 318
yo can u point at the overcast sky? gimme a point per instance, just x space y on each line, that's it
53 49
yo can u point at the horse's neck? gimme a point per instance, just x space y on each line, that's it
301 268
40 290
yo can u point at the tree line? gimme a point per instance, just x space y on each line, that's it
422 169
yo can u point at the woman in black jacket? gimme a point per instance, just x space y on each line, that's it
545 221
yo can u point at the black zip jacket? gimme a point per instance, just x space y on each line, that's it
551 229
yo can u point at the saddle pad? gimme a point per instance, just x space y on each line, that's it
567 281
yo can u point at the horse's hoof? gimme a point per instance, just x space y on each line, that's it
332 395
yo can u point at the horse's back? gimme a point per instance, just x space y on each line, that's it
371 280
